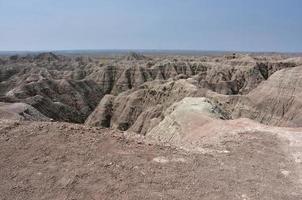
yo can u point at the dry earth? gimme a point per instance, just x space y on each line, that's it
65 161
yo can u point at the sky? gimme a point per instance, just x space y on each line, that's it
226 25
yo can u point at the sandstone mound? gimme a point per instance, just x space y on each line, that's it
186 117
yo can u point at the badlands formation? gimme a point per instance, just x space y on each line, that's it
151 127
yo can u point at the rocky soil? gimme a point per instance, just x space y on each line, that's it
63 161
151 127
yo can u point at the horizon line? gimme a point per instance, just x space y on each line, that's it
148 50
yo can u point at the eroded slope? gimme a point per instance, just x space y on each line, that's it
70 88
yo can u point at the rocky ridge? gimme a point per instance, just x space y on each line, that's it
77 84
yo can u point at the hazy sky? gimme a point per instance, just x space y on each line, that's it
250 25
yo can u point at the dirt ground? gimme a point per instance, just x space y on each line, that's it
67 161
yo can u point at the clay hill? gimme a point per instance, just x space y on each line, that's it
151 127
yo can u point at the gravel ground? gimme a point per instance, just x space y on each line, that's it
43 160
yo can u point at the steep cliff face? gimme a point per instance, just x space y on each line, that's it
102 114
276 101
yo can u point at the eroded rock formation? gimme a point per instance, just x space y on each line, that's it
175 127
70 88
